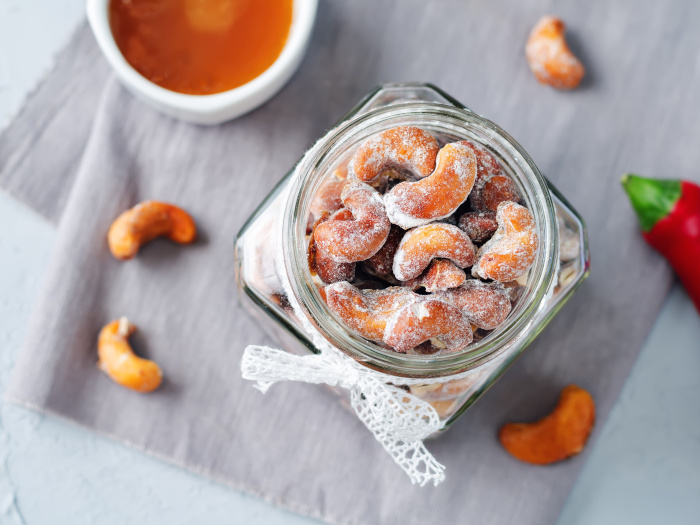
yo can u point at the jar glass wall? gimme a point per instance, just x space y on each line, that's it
273 244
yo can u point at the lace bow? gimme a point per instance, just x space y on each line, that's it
399 420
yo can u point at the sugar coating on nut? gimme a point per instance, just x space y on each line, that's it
411 204
406 149
491 187
480 226
498 189
512 249
360 238
380 264
430 319
366 311
320 263
441 274
485 304
328 197
421 245
486 167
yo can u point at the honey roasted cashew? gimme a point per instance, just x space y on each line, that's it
410 204
366 311
550 59
512 249
328 198
421 245
146 221
430 320
486 305
406 149
486 164
558 436
490 186
360 238
441 274
380 264
327 269
494 191
118 361
480 226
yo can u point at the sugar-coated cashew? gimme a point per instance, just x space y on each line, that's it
512 249
406 149
118 361
366 311
494 191
380 264
486 305
486 164
328 197
358 239
421 245
550 59
426 320
146 221
561 434
410 204
478 225
327 269
486 195
441 274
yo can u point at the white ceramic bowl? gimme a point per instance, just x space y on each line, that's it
208 109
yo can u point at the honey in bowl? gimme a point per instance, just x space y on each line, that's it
200 47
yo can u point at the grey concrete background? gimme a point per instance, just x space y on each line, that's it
645 467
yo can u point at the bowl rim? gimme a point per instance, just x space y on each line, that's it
257 90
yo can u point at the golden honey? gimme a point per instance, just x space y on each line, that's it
200 47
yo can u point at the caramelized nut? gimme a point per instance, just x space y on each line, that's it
118 361
421 245
327 269
479 225
410 204
360 238
512 249
380 264
146 221
561 434
428 320
405 149
440 275
486 305
366 311
550 58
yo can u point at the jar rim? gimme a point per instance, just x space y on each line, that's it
463 124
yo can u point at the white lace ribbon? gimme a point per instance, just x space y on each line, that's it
399 420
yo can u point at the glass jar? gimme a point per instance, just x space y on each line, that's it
273 243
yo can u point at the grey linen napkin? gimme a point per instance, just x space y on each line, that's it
296 446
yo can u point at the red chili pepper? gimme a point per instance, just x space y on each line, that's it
669 213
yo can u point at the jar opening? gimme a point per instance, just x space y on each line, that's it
447 124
